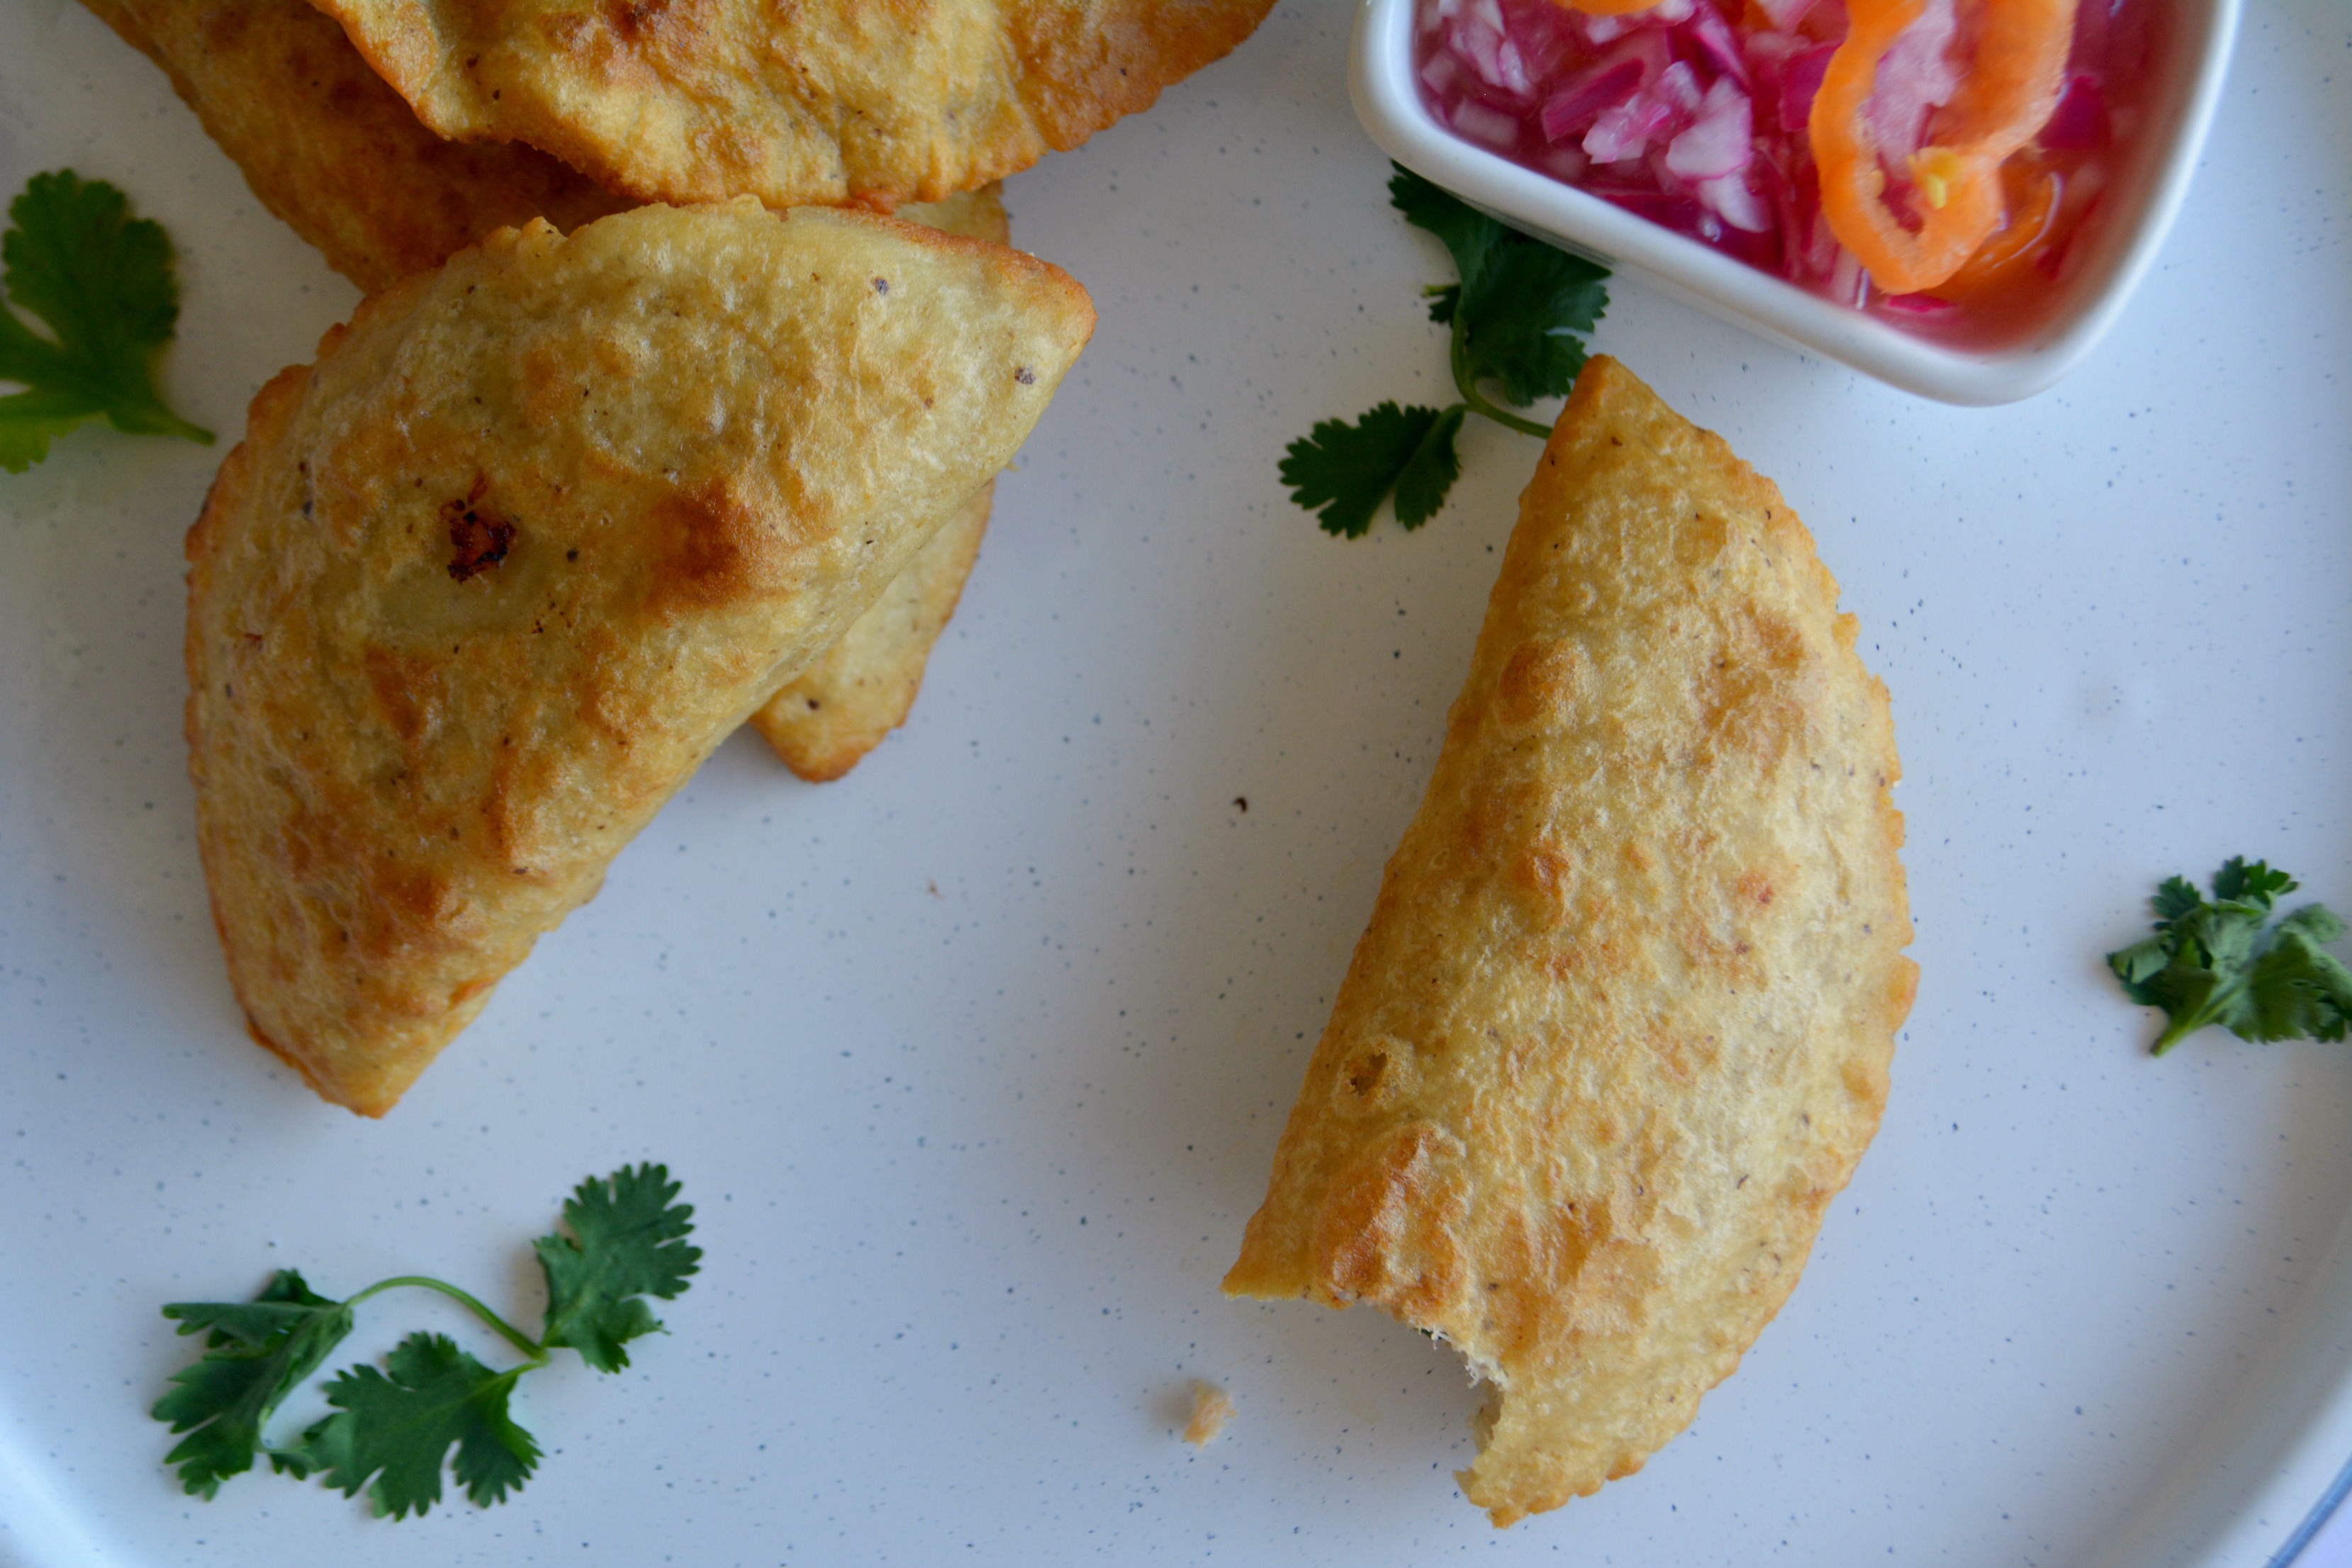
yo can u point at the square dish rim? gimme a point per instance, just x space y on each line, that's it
1381 85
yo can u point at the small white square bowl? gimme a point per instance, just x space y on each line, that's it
2192 54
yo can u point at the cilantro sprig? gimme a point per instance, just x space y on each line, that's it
1517 318
392 1430
101 281
2217 961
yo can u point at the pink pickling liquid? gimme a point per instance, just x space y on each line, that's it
1693 114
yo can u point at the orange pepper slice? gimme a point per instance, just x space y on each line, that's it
2007 96
1606 8
2032 202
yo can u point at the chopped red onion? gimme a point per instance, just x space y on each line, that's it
1678 86
1481 123
1653 114
1438 75
2081 118
1712 42
1719 141
1800 79
1580 103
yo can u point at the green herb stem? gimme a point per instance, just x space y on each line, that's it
1524 426
504 1330
1459 353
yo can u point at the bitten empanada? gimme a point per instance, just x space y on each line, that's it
827 100
1620 1027
482 587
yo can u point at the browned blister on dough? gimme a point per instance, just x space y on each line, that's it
483 585
1620 1027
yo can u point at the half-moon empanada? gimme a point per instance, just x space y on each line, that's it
1620 1027
481 588
343 159
825 101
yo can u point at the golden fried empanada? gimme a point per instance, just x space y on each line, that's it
1620 1027
481 588
825 101
339 155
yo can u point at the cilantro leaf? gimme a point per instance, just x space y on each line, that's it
2216 964
2175 897
102 283
1465 231
2299 992
1516 313
256 1351
629 1244
1520 302
397 1429
1346 468
392 1430
1431 472
1520 319
2237 882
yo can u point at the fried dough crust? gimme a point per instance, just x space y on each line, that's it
332 150
812 100
864 686
346 164
1620 1027
485 584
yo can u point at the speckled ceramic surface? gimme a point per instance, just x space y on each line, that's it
973 1062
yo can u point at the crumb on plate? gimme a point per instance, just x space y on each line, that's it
1212 1408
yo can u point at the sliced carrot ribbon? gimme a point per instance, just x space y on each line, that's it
2011 88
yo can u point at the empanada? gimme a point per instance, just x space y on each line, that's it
1620 1027
481 588
825 101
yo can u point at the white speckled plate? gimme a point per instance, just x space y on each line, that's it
974 1061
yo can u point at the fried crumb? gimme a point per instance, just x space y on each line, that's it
1212 1408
